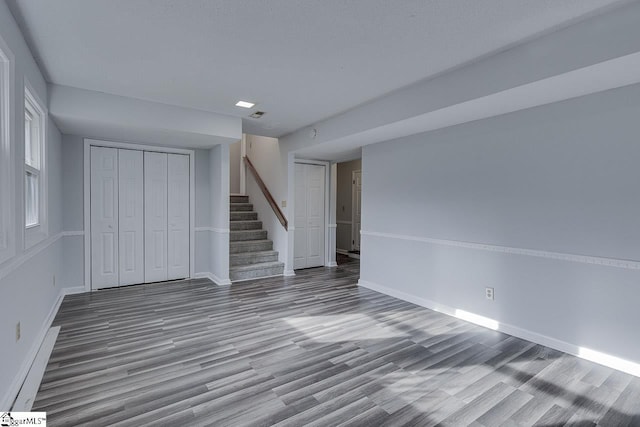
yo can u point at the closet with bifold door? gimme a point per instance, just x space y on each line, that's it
139 216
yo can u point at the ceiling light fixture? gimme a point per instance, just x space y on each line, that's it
245 104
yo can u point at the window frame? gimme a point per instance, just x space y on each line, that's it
7 176
33 105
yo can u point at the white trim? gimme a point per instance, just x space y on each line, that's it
289 273
332 264
134 146
40 231
7 154
256 278
333 226
347 253
343 222
28 391
34 250
215 279
213 229
611 361
88 143
243 167
585 259
13 390
354 232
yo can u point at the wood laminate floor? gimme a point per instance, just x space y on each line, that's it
311 350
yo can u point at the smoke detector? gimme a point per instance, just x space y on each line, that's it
257 114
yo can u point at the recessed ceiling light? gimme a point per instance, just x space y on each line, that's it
245 104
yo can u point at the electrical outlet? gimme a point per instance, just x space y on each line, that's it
284 203
488 293
17 331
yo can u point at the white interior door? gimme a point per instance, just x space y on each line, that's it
309 216
356 209
178 216
104 217
131 216
300 220
155 217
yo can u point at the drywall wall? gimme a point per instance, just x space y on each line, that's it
27 286
234 167
219 231
522 203
344 203
203 212
265 155
119 118
586 44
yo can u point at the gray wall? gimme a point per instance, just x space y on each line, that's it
27 286
219 211
234 167
344 203
265 155
544 188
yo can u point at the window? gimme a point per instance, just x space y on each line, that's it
7 246
35 187
32 148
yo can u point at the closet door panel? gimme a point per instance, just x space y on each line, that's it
104 217
178 216
155 216
315 181
131 216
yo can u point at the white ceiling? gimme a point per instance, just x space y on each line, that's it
301 61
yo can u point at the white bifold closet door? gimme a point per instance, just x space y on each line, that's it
131 216
178 216
139 217
155 217
309 219
104 217
166 223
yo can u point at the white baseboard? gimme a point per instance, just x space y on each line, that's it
332 264
13 390
605 359
347 253
215 279
27 395
289 273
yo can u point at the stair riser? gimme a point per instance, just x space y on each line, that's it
239 236
239 247
241 259
254 274
238 225
243 216
240 208
239 199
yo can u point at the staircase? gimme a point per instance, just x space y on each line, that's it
251 254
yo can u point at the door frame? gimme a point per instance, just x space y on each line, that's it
88 143
327 208
353 210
